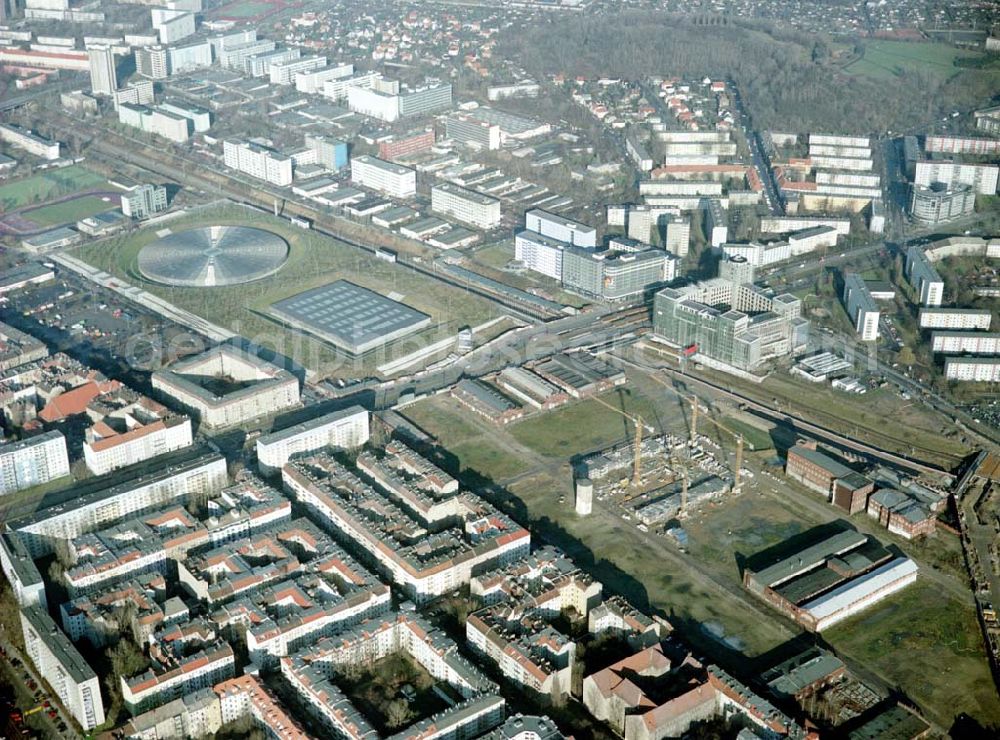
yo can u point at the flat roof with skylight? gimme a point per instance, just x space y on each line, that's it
349 316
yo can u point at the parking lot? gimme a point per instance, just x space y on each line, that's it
100 328
29 708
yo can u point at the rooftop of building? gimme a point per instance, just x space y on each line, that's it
58 644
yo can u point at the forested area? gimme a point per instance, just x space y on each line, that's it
789 78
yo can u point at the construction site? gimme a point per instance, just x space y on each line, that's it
659 478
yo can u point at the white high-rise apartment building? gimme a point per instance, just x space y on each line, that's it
257 161
955 318
103 75
539 253
346 429
394 180
563 229
144 201
32 461
467 206
980 177
55 658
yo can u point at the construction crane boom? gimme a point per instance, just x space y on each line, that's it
637 444
737 477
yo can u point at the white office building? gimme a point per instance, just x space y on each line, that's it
32 461
540 253
257 161
155 120
172 25
346 429
373 102
283 73
394 180
201 119
139 92
312 82
758 254
467 206
337 88
558 227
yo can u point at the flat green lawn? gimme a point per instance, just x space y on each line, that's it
46 185
245 9
314 260
583 426
946 670
884 60
755 438
69 211
472 447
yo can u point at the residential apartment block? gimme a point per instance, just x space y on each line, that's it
346 429
466 206
861 307
421 564
394 180
32 462
244 386
923 277
55 658
257 161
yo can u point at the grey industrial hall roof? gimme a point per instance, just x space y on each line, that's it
213 256
349 316
802 671
810 557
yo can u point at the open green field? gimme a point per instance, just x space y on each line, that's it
756 439
46 185
885 59
68 211
473 447
582 426
922 621
244 9
314 260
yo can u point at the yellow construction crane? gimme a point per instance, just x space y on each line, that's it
737 478
676 464
636 445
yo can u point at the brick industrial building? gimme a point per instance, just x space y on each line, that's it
842 486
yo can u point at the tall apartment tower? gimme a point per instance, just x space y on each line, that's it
103 76
152 62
